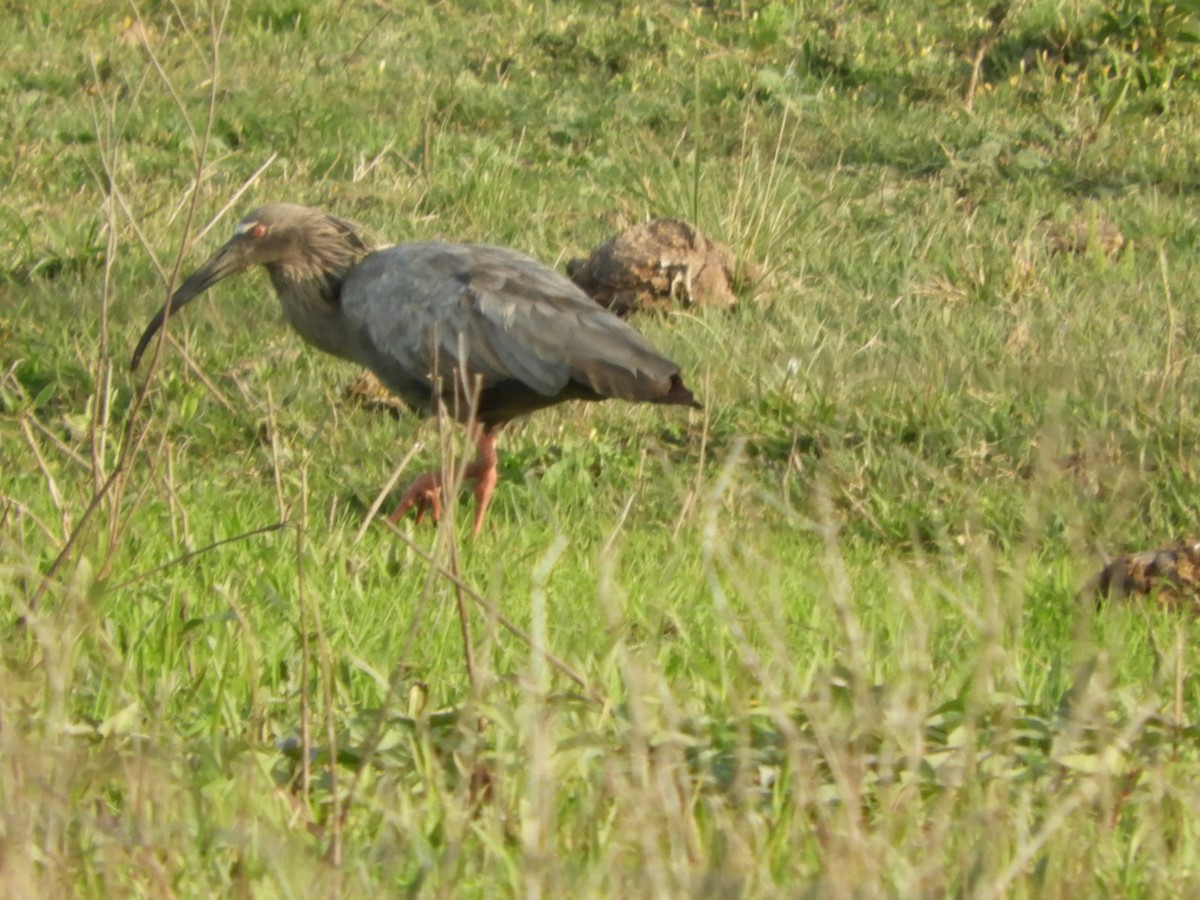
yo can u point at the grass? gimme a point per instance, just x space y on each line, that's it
828 628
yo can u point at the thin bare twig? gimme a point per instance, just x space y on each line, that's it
998 14
353 53
490 608
305 662
133 434
202 145
464 621
237 195
387 488
192 554
51 484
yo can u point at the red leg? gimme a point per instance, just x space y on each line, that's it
425 492
483 472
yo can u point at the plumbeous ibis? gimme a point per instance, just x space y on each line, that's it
484 332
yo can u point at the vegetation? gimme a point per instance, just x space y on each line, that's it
824 638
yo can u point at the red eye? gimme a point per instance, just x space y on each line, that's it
259 231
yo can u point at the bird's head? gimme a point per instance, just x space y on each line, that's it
297 241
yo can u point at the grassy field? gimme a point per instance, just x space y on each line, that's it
822 638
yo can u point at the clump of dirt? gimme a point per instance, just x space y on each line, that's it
655 266
1081 234
1172 575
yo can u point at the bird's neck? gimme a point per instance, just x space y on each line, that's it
310 298
309 283
311 307
305 283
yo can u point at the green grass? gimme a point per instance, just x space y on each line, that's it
828 627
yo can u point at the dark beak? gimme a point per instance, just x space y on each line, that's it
226 261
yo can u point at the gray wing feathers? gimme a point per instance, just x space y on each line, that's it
422 306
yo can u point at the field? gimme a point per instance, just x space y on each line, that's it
828 636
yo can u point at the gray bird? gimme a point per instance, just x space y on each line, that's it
486 333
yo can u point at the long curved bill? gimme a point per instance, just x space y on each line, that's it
224 262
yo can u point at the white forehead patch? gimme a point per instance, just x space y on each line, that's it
244 226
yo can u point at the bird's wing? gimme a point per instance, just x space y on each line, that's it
497 316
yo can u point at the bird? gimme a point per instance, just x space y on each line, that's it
485 333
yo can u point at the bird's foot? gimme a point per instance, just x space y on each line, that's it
425 495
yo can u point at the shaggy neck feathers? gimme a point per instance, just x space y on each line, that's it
318 261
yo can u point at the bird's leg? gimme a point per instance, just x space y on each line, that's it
425 492
482 471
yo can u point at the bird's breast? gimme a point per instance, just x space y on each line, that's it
315 317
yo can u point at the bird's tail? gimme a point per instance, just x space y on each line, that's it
678 394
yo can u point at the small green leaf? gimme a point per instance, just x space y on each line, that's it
44 395
120 722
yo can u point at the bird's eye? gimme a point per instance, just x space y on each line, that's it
259 231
